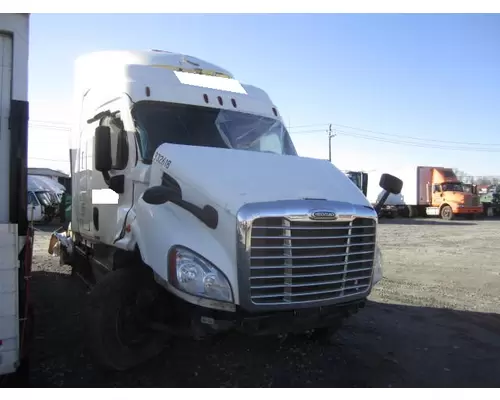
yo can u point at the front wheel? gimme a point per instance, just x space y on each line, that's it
118 326
446 213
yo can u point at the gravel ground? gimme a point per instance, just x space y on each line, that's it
433 321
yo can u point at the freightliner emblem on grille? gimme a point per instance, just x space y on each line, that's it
323 215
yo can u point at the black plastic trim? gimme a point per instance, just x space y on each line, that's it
18 181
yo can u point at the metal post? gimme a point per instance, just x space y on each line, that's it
330 135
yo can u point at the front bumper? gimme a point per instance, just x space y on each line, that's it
468 210
201 321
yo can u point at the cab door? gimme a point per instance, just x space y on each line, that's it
437 195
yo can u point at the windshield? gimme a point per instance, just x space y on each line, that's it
159 122
453 187
44 198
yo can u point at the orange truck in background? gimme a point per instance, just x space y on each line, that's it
446 195
431 191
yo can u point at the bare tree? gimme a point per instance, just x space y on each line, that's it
459 174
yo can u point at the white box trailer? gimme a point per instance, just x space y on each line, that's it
15 251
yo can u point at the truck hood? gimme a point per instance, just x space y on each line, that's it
231 178
458 196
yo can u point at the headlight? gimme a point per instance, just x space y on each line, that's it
192 274
377 266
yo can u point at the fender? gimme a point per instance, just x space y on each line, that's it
155 229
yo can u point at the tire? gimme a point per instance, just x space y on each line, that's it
446 213
114 294
405 212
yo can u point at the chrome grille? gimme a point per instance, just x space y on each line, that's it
472 201
299 262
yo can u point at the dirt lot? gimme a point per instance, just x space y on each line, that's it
433 321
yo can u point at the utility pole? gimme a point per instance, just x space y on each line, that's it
330 136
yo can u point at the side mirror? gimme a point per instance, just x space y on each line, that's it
157 195
391 184
102 149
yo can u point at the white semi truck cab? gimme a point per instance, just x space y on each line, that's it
192 213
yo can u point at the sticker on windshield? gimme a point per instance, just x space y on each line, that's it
162 160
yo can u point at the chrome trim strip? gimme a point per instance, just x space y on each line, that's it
280 257
346 260
293 210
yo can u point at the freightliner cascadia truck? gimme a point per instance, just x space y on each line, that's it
192 213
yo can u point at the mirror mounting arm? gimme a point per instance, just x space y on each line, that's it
391 185
106 176
381 202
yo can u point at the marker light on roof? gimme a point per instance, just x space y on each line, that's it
210 82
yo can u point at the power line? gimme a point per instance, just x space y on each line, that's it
396 135
47 159
401 142
421 145
416 138
38 121
51 127
61 126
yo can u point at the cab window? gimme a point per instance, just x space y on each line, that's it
32 200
